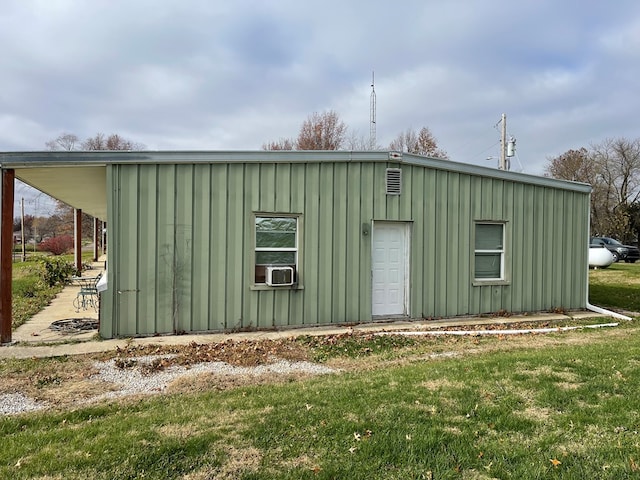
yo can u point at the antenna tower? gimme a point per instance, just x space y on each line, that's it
372 115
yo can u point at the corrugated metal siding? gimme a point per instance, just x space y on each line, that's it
182 241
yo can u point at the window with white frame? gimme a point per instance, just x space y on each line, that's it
489 251
276 246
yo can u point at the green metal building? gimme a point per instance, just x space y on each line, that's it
220 241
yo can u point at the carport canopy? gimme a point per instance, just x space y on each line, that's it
78 179
83 188
75 178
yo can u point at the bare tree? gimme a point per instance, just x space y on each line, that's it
613 170
581 166
634 219
322 131
64 141
354 141
620 168
100 141
112 142
619 163
419 143
62 222
282 144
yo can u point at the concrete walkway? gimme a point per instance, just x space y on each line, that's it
36 339
58 344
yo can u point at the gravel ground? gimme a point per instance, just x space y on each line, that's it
133 381
136 379
14 403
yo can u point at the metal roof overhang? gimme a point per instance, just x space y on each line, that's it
81 187
78 179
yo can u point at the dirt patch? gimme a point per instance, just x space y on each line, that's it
238 462
534 413
69 382
433 385
135 371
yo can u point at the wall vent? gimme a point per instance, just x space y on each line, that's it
394 181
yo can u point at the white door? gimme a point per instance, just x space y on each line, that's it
390 268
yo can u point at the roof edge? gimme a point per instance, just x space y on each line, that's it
103 158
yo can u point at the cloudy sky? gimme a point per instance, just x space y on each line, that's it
214 75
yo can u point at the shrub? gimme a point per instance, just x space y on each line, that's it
57 271
57 245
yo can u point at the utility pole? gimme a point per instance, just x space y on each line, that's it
503 144
507 149
24 251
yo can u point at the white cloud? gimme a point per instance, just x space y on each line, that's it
192 74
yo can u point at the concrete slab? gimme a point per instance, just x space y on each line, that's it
38 328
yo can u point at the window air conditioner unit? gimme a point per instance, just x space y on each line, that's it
278 276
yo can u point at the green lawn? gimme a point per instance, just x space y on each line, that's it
568 409
617 286
29 293
523 407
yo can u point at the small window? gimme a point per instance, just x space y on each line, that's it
393 181
489 251
276 245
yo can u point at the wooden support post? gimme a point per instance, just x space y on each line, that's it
96 239
6 253
78 239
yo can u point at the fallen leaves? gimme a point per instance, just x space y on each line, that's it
357 436
245 353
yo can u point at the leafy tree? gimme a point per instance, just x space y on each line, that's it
419 143
322 131
574 165
581 166
325 131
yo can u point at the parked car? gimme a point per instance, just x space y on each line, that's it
628 253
